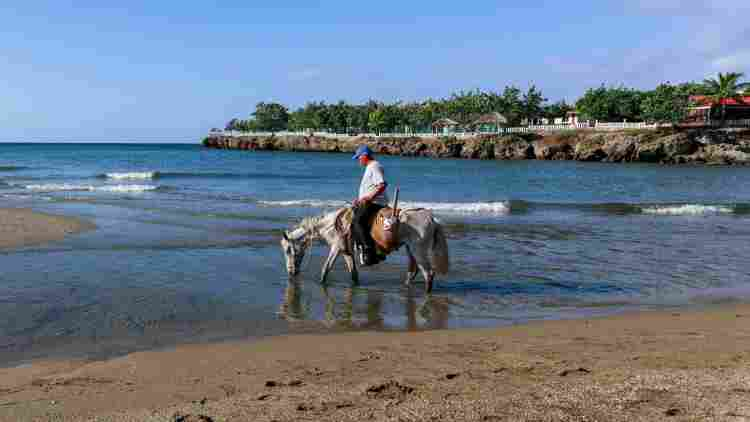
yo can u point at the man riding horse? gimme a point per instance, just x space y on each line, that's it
372 198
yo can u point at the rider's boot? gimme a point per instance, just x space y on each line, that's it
366 256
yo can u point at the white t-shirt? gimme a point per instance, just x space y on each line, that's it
370 180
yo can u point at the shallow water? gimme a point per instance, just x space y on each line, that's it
186 248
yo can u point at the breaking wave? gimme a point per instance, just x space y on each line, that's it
149 175
521 207
67 187
495 208
143 175
688 209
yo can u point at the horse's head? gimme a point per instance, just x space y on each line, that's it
294 251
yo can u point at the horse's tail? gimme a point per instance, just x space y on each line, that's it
440 258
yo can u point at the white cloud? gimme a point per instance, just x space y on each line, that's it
738 62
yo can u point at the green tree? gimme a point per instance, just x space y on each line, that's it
531 104
666 104
725 87
694 88
271 116
377 120
511 103
558 109
610 104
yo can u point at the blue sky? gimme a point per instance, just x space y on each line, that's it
168 70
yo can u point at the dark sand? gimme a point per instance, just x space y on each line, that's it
23 227
682 366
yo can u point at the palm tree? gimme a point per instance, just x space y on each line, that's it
726 87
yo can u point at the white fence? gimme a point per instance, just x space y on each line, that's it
507 130
624 125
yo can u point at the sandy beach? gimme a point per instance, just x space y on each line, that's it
681 365
24 227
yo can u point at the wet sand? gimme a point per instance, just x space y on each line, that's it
680 365
24 227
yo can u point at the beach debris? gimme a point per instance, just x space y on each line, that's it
451 376
302 407
316 372
201 402
292 383
390 389
178 417
264 396
369 356
672 411
581 370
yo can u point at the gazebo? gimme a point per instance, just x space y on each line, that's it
444 125
490 122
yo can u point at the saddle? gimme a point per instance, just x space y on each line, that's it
384 230
383 227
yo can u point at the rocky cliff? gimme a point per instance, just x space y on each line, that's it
665 146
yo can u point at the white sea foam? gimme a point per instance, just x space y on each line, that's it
312 203
68 187
126 188
687 209
143 175
438 207
462 207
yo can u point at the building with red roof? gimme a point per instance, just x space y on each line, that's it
704 109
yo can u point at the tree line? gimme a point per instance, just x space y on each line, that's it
667 103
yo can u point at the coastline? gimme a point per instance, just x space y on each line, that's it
649 365
21 227
664 146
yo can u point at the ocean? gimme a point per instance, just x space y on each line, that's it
187 245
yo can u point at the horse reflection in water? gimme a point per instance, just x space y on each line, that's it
348 311
292 306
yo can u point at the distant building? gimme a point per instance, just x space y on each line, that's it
444 126
490 122
704 110
571 118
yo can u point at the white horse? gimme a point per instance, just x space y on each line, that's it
419 232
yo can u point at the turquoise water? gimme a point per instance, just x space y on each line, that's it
186 248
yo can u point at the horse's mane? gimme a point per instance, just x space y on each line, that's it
308 224
343 222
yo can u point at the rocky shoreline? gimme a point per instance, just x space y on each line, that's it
666 146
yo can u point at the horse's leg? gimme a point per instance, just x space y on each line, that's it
428 281
423 263
332 255
412 271
351 265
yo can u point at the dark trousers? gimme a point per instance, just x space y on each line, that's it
361 225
